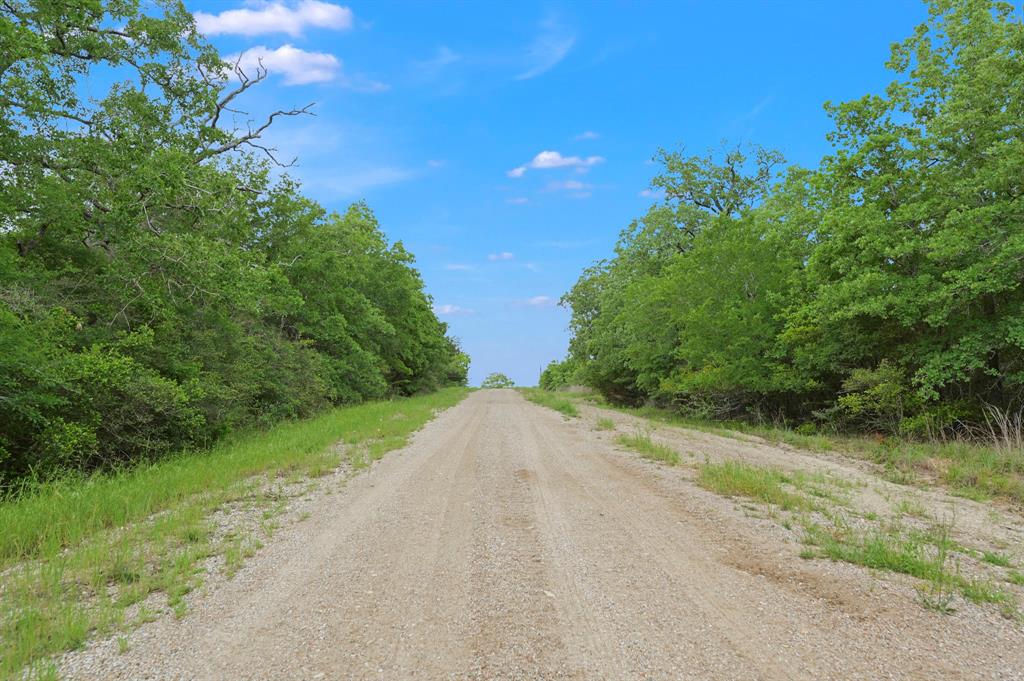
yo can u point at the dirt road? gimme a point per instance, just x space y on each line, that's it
509 543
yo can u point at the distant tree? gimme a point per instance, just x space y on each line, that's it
497 380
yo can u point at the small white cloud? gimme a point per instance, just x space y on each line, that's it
451 310
436 163
553 159
458 267
298 67
504 255
533 267
275 17
586 135
541 301
548 48
656 193
518 200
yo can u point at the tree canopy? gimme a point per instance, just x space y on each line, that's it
882 290
497 380
158 286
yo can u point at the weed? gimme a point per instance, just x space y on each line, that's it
738 479
551 400
122 645
605 423
994 558
912 508
648 449
1015 577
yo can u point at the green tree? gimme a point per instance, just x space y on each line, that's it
497 380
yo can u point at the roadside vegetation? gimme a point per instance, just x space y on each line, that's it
875 296
160 286
973 469
559 403
648 449
84 556
818 510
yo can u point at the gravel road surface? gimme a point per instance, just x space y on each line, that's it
506 542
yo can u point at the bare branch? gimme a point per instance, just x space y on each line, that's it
248 138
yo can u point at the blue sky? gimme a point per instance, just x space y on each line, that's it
508 144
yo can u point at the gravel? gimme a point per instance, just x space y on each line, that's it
506 542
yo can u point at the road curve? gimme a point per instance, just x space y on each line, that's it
506 542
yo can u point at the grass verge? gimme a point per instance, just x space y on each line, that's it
971 470
550 400
76 555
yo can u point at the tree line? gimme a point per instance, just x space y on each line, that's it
882 291
160 285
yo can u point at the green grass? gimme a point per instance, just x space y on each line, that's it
993 558
605 423
971 470
923 554
768 485
76 553
551 400
648 449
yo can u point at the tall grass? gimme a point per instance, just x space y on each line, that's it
76 553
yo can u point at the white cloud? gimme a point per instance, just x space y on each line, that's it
450 310
541 301
550 46
458 267
275 17
553 159
504 255
297 66
533 267
586 135
436 163
518 200
657 193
